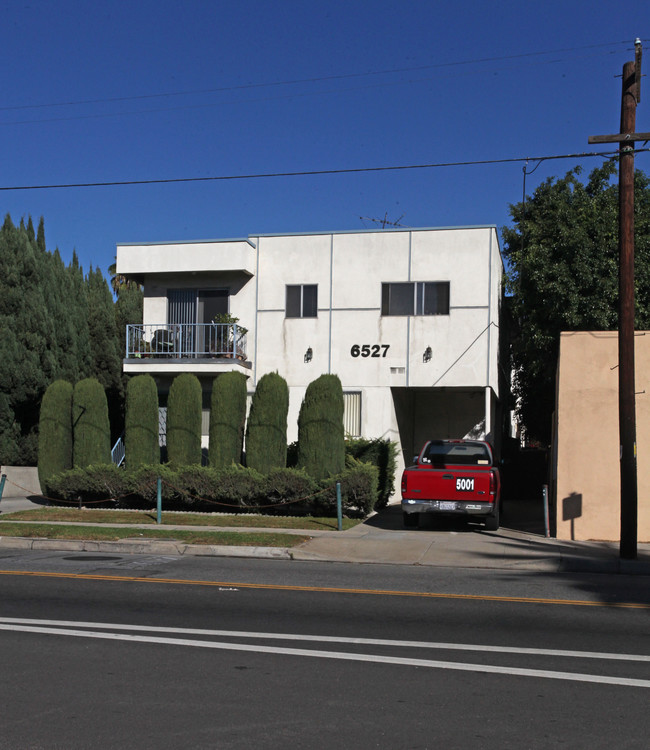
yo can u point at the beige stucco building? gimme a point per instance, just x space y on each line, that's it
587 468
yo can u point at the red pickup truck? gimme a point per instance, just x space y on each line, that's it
457 477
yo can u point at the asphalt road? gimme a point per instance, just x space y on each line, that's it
109 651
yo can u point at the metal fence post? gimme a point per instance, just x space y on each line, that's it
339 512
547 530
159 500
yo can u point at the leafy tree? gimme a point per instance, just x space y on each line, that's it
141 439
91 429
128 310
227 419
26 361
40 235
55 432
184 421
47 314
321 437
562 255
78 313
107 363
266 431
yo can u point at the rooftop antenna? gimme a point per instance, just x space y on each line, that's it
384 222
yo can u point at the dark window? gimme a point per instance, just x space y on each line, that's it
302 301
397 299
444 454
432 298
415 298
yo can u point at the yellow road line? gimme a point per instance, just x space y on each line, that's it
325 589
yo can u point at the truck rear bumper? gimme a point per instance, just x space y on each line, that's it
458 507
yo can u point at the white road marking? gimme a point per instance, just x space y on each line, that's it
372 658
335 639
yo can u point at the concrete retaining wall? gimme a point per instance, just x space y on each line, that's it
21 481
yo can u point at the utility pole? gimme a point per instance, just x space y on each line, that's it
631 95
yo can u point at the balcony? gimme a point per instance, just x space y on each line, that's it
169 348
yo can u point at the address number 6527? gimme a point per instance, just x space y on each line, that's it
369 350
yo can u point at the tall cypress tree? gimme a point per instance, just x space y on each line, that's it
266 432
321 438
141 432
55 432
227 419
184 421
90 424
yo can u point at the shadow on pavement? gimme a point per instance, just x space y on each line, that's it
517 515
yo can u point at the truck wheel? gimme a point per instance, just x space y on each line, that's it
492 522
411 520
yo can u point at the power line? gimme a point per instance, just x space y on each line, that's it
316 79
247 101
316 172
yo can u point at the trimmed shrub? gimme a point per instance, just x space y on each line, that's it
227 419
141 489
91 428
238 487
141 428
381 453
89 484
288 491
321 438
358 492
266 432
184 421
55 432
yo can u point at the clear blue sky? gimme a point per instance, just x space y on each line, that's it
141 90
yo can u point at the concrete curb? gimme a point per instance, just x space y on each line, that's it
138 547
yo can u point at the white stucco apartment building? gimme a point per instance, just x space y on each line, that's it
407 318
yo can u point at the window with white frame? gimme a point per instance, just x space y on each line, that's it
415 298
302 300
352 413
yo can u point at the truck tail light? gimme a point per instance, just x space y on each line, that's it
404 482
493 484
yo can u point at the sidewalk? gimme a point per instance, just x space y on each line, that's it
381 539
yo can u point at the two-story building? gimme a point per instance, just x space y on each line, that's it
407 318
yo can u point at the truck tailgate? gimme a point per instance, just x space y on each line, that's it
466 483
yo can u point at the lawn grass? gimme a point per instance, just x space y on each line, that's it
241 520
112 534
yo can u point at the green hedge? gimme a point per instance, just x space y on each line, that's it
233 489
89 484
381 453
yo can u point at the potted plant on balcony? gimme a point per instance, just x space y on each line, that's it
224 342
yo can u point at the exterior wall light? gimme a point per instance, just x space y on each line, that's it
426 357
308 355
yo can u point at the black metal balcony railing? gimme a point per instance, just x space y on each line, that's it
195 340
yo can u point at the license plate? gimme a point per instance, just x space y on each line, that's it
448 506
464 484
